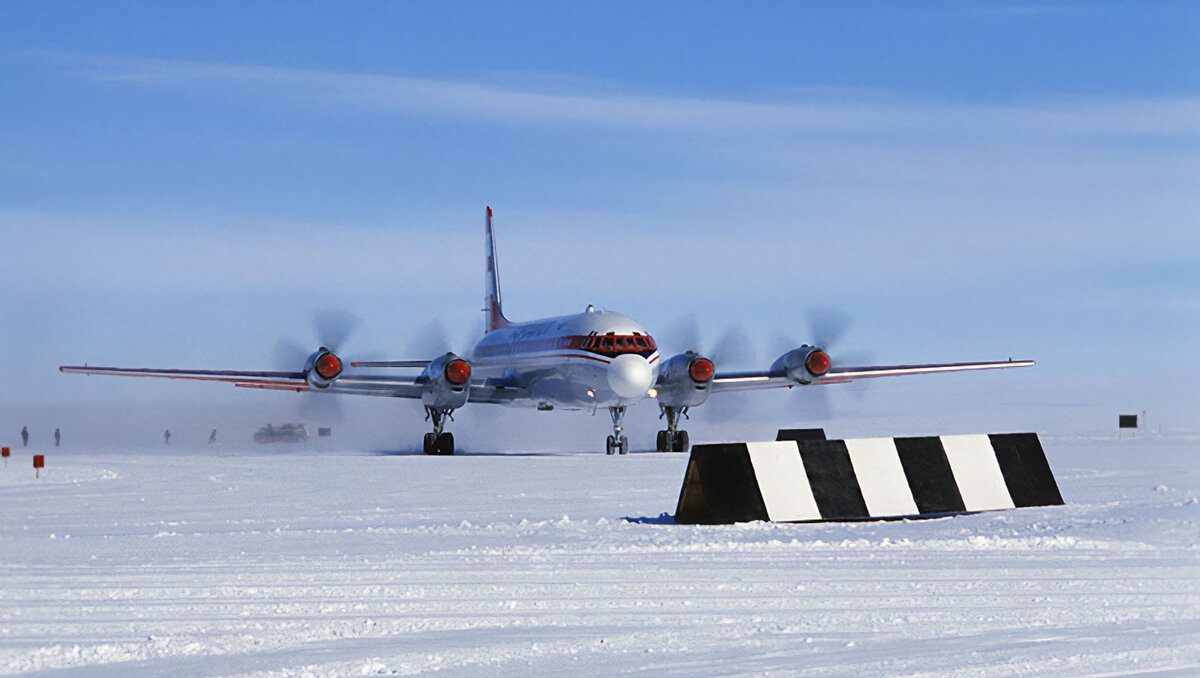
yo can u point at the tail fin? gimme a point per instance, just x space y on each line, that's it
493 314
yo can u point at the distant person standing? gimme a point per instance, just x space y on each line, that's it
24 437
57 437
167 437
212 437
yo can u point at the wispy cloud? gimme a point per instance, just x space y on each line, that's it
796 112
905 190
69 252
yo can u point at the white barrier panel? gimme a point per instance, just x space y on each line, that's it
977 472
782 481
881 477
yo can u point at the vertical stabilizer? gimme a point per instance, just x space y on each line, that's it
493 313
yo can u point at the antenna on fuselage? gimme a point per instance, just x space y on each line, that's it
493 313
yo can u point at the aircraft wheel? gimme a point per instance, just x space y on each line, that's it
445 444
660 442
623 445
430 441
681 441
610 445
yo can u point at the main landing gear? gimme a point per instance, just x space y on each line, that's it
617 443
672 439
438 442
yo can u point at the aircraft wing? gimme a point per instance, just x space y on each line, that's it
375 385
746 381
385 386
285 380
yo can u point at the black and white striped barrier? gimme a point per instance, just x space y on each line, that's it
864 478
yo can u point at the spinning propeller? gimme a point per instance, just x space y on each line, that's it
827 327
431 340
333 328
733 349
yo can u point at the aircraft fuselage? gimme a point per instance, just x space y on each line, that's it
582 361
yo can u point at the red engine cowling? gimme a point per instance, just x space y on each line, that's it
446 382
322 368
803 365
684 380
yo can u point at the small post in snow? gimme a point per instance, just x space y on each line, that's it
39 462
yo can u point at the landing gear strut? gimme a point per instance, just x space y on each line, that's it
672 439
616 442
438 442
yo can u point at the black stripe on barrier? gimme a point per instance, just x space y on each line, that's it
1025 469
720 487
929 475
831 477
800 434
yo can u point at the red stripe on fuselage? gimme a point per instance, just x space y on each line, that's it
517 357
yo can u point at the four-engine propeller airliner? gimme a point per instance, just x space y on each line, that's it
589 360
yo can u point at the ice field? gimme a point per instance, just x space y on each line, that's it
268 561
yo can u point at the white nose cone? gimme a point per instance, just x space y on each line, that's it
630 376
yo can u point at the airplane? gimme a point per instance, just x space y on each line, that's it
590 360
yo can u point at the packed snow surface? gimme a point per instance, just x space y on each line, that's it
268 561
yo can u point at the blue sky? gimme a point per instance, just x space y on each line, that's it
182 184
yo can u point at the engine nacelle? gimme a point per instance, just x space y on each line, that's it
684 380
446 382
322 368
802 365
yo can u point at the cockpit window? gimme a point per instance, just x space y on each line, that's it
613 344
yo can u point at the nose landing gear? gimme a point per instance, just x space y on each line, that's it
438 442
672 439
617 443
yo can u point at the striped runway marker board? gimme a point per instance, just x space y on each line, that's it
864 478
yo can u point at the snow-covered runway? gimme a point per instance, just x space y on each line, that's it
270 563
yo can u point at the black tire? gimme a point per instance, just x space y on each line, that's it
623 445
681 442
660 442
445 444
430 440
610 445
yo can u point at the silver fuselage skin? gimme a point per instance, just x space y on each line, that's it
558 361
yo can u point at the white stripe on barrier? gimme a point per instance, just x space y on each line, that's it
977 472
782 481
881 477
